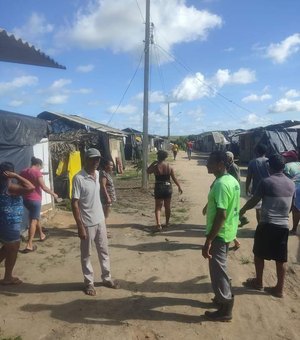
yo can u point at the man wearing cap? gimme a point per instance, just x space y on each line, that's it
271 235
90 220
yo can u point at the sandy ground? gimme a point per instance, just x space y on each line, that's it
165 287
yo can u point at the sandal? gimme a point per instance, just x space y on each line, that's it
157 229
13 281
274 292
111 284
90 290
27 250
252 284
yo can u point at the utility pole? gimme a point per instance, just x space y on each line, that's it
168 122
146 98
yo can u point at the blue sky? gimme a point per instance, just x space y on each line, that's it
222 64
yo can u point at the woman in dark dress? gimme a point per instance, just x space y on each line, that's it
163 187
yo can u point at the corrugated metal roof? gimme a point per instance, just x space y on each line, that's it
15 50
86 122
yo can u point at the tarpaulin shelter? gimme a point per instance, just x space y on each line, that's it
18 134
15 50
277 137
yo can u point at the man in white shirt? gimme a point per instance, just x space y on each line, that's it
90 220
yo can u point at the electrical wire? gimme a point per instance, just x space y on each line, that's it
127 88
140 10
204 83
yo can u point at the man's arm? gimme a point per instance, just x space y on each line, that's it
248 182
250 204
151 167
76 213
217 225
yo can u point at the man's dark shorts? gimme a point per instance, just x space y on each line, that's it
271 242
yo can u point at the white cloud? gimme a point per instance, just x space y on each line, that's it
194 87
126 109
57 99
256 98
191 88
85 68
18 83
279 52
292 93
254 120
16 103
229 49
34 28
118 24
154 97
285 105
242 76
60 83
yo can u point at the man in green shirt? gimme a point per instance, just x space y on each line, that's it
221 228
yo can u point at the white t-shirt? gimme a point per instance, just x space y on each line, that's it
87 190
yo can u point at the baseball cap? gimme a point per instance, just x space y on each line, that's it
92 153
290 154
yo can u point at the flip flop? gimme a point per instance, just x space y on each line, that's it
90 290
27 250
14 281
274 292
44 239
252 284
111 284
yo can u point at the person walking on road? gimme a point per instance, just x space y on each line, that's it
163 187
88 214
222 217
189 149
33 202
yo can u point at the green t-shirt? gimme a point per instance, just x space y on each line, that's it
224 194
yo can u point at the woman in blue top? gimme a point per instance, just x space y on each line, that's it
11 212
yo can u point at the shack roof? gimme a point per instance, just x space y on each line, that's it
53 116
16 50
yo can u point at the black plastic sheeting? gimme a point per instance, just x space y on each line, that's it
20 130
279 141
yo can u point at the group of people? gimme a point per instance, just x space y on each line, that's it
15 191
272 194
25 190
273 185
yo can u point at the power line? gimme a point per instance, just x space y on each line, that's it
127 88
140 10
204 83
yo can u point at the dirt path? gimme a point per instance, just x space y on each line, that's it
165 287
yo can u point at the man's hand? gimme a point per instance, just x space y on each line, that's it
82 233
205 250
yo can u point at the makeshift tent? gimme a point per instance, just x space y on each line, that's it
277 138
18 134
15 50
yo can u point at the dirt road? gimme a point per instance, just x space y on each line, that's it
165 287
